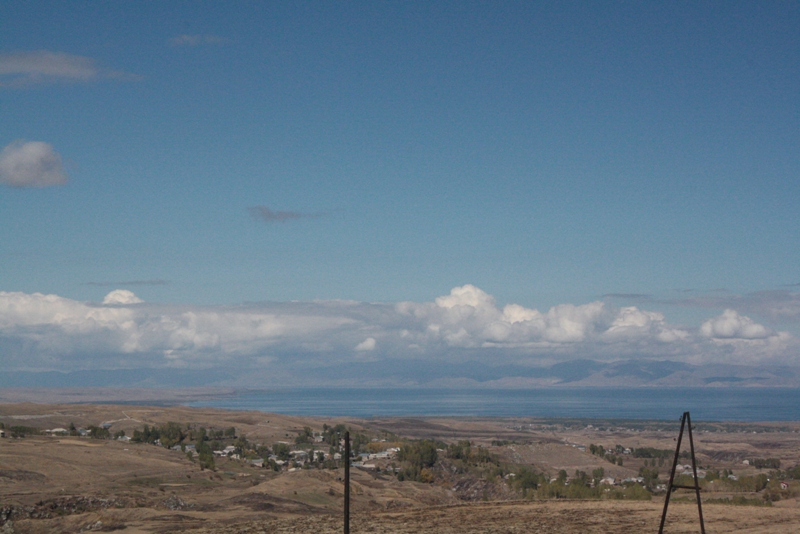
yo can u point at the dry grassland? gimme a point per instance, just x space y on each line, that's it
71 484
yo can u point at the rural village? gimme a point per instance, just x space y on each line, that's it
166 469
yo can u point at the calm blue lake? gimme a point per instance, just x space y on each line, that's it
710 404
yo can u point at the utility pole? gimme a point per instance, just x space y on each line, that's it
347 483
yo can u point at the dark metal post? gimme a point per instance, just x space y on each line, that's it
686 421
672 475
347 483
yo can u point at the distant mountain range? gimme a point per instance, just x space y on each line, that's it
415 373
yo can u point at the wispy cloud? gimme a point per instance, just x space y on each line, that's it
18 69
777 305
265 214
628 296
131 283
196 40
31 164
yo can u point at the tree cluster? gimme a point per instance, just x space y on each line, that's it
651 452
599 450
418 458
766 463
464 451
98 432
20 431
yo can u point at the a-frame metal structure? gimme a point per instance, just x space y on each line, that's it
686 421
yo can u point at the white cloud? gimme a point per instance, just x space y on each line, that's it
53 332
122 296
731 325
41 66
366 345
31 164
467 295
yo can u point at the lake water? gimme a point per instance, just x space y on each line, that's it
709 404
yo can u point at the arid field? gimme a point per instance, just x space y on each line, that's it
63 483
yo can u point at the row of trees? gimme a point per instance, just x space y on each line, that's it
766 463
599 450
581 486
471 456
20 431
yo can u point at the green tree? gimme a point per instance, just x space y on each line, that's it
459 451
98 432
418 457
360 442
171 434
242 446
333 435
281 450
305 436
421 453
650 476
527 480
598 475
205 456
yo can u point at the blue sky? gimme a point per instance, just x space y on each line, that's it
206 154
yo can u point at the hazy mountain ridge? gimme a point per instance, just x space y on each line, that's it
403 373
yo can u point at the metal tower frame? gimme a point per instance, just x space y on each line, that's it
686 421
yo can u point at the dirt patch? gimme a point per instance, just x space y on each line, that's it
22 475
258 502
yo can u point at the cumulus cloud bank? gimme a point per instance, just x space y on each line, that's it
31 164
40 331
